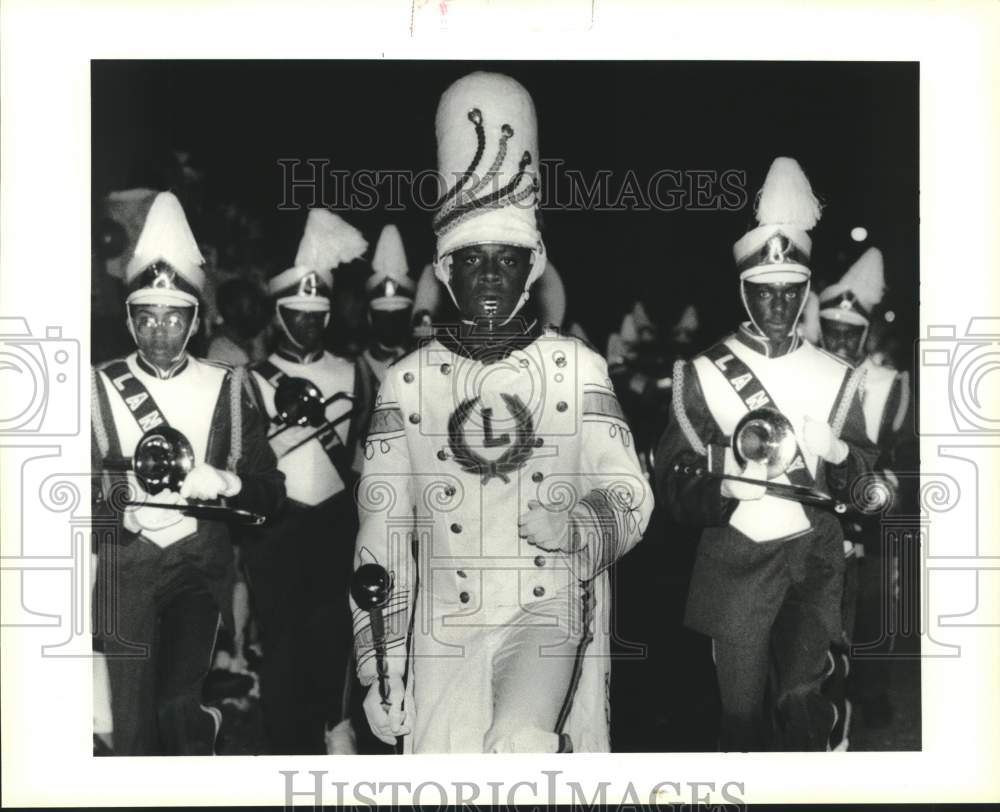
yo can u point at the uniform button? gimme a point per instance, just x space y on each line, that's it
456 528
461 574
524 362
538 476
562 406
408 377
414 418
560 360
442 454
464 597
539 442
449 491
539 562
538 591
445 369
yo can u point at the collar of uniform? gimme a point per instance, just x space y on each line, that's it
292 357
473 341
162 374
750 336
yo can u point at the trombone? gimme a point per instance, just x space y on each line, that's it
162 459
766 436
298 402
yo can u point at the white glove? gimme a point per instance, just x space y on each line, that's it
548 529
205 482
290 438
137 519
387 724
818 439
744 491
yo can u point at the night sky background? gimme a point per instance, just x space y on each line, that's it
852 126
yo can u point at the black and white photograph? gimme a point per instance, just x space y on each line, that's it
507 412
645 382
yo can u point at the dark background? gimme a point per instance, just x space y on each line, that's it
852 126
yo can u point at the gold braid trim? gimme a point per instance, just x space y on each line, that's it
97 417
236 383
677 399
854 383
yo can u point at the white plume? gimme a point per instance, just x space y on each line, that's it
787 197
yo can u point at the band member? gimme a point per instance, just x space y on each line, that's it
390 304
767 580
500 480
845 312
165 580
299 567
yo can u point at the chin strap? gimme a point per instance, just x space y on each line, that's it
539 259
792 329
287 332
178 359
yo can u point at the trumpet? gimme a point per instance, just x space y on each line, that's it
766 436
162 460
298 402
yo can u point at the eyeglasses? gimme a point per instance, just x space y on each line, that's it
173 324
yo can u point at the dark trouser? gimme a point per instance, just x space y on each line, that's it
157 662
794 657
772 610
299 571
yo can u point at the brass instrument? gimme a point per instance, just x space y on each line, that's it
298 402
162 460
766 436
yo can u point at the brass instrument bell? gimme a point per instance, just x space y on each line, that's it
766 436
162 459
298 402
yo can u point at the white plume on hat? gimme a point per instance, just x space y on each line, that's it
488 165
327 242
390 256
787 197
863 284
390 278
786 209
166 237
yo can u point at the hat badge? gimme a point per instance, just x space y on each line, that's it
309 285
164 277
390 287
777 248
847 302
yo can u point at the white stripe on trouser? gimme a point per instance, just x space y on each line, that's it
211 710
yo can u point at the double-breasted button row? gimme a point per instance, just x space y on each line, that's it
464 597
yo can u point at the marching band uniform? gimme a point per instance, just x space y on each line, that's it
503 645
390 293
768 571
164 584
299 566
888 417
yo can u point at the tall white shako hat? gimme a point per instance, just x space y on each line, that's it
488 171
327 241
858 292
165 268
777 249
390 286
